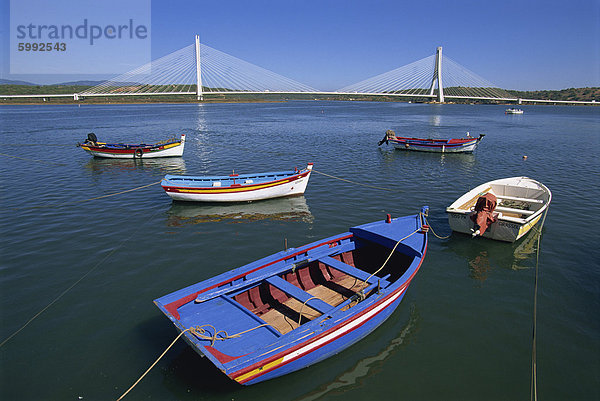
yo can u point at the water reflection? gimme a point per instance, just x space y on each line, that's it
164 165
484 256
288 209
365 367
459 161
435 120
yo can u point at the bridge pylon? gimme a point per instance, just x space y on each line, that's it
198 70
437 76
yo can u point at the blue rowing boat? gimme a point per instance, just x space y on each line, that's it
299 306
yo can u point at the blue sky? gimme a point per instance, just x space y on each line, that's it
328 44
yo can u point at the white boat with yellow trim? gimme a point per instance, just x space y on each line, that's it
504 209
237 187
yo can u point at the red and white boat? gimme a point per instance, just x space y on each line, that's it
454 145
168 148
237 187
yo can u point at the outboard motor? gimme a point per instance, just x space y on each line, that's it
389 134
484 215
91 139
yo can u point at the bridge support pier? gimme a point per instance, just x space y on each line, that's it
198 71
437 76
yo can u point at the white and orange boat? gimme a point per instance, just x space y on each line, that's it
237 187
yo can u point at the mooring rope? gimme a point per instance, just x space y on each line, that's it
394 248
352 182
199 332
434 233
535 291
302 307
89 199
116 193
76 282
33 160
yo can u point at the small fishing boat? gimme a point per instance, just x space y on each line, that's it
237 187
168 148
299 306
513 111
454 145
503 210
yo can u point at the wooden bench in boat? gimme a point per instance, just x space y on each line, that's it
349 270
299 294
516 198
515 211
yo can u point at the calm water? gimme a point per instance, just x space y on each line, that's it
88 271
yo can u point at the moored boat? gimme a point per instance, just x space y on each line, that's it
454 145
299 306
513 111
504 209
172 147
237 187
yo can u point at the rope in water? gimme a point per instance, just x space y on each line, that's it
535 291
117 193
33 160
199 332
352 182
90 199
62 294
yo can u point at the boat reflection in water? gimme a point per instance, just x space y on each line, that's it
483 259
366 366
457 163
289 209
170 165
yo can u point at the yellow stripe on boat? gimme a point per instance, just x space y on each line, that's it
230 189
171 145
528 226
256 371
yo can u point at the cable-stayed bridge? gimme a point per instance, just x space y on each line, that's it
202 71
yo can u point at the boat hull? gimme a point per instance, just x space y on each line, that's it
294 183
511 224
427 146
112 151
501 230
334 341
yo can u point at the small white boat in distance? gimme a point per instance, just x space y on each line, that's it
513 111
237 187
503 210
